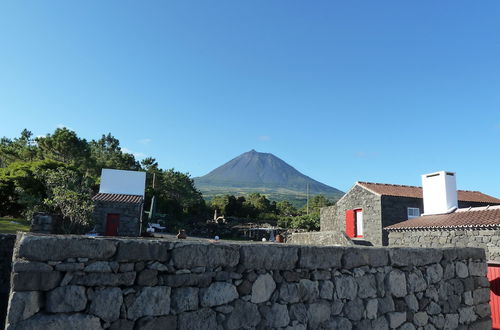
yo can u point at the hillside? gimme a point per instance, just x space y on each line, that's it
264 173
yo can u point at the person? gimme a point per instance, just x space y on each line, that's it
182 234
279 238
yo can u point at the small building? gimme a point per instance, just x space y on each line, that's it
118 207
368 207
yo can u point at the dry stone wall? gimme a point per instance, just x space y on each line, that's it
489 239
6 247
101 283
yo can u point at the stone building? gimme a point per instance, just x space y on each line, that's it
368 207
118 214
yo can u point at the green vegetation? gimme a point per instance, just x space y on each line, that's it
59 173
12 225
283 213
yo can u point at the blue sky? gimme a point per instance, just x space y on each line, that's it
379 91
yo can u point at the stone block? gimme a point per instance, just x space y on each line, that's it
367 286
354 309
199 280
69 266
414 256
263 288
275 316
358 256
396 319
478 268
244 314
184 299
66 299
45 248
269 257
218 293
23 305
191 255
346 287
150 301
148 277
142 250
156 323
104 279
315 257
106 303
98 267
60 322
203 319
36 281
31 266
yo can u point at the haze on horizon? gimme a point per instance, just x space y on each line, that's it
373 91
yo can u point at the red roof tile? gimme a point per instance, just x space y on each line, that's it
416 192
487 216
118 198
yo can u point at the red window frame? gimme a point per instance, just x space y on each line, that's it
350 223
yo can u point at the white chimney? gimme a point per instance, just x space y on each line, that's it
440 192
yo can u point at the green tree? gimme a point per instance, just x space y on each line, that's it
107 153
70 195
65 146
20 149
285 208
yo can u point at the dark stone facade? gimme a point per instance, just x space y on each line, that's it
489 239
379 211
130 217
333 217
6 247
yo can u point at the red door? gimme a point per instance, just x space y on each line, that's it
112 222
494 278
350 226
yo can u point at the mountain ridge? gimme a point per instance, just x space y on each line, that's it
255 171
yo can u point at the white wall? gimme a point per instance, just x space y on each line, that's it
122 182
440 192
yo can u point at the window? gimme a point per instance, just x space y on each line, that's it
413 212
354 223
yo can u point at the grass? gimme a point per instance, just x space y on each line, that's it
7 225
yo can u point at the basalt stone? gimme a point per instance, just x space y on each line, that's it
105 279
451 321
150 301
142 250
464 254
203 319
44 248
289 293
414 256
65 299
263 288
60 322
478 268
461 270
291 276
481 296
147 277
339 323
268 257
386 305
395 283
98 267
420 319
23 305
346 287
380 323
199 280
123 325
184 299
308 290
275 316
483 310
31 266
316 257
412 302
35 281
396 319
319 275
69 266
407 326
466 315
157 323
354 309
218 293
416 282
106 303
371 309
126 267
244 288
299 312
190 255
367 286
434 273
244 314
357 257
326 290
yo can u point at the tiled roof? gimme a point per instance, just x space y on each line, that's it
476 217
118 198
416 192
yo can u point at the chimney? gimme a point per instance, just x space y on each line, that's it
440 192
